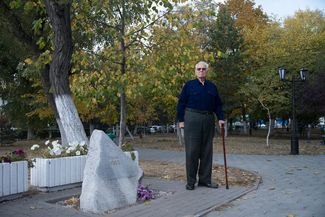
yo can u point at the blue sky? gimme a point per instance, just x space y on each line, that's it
284 8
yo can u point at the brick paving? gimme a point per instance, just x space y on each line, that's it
291 185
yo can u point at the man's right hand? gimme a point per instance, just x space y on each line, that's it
181 124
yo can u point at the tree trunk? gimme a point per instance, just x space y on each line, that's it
91 127
270 122
50 133
135 131
244 119
250 127
60 67
309 133
64 140
30 132
46 83
123 70
129 132
122 119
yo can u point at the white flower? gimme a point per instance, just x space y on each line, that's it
74 144
47 142
57 146
77 153
57 151
54 143
72 148
35 146
68 151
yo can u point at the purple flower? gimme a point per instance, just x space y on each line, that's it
19 152
144 193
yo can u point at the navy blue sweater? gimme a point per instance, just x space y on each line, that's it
195 95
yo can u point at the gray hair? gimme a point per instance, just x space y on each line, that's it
202 62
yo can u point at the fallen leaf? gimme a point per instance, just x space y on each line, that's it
166 177
272 188
147 202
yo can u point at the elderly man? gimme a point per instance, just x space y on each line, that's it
197 104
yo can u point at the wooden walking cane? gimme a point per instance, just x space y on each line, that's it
224 153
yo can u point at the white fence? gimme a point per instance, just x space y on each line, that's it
13 178
52 172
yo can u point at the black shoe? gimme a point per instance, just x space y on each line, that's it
209 185
189 187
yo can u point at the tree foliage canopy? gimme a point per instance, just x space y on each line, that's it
160 47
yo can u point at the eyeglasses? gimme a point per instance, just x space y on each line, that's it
201 69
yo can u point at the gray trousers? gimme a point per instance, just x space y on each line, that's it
199 131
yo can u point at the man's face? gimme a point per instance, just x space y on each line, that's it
201 71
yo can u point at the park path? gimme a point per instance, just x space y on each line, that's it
292 185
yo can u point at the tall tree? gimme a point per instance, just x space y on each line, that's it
171 66
60 67
122 27
296 44
226 44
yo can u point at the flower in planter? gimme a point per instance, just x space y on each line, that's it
34 147
55 149
17 155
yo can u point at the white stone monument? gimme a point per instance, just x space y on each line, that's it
110 177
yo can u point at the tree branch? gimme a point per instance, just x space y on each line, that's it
143 28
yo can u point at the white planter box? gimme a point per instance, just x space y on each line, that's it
53 172
13 178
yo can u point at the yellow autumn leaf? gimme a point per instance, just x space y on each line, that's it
28 61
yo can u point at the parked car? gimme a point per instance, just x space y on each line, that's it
152 129
262 126
155 129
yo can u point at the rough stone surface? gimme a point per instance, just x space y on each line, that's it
110 177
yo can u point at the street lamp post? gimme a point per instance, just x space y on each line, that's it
294 137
